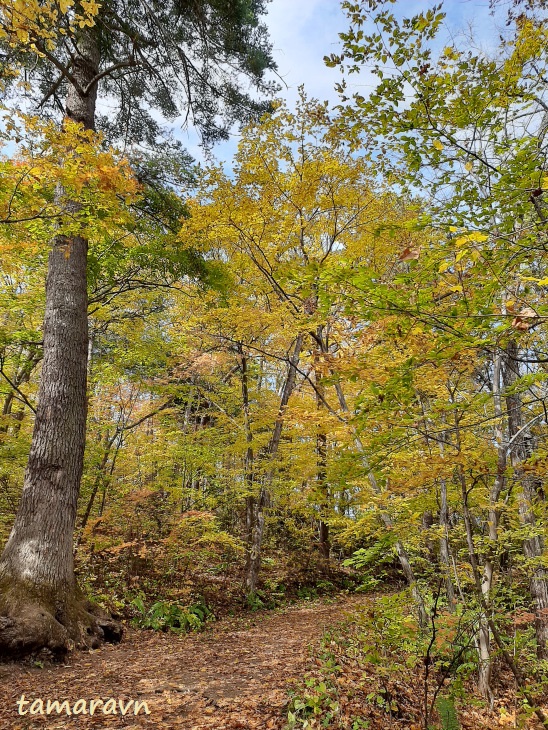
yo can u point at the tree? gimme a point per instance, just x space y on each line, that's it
123 49
468 131
300 209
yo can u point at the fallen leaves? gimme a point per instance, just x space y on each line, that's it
233 677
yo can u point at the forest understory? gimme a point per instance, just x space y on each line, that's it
247 672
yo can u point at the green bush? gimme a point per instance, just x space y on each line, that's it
165 615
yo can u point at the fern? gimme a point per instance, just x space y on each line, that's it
164 616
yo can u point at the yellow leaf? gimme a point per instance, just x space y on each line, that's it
437 144
478 237
469 166
475 237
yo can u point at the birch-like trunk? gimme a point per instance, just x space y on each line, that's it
530 494
493 517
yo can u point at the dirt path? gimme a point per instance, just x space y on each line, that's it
234 676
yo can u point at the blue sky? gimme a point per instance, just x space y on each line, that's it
304 31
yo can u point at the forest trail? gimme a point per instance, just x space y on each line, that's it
235 675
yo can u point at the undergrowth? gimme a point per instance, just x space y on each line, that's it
168 616
378 669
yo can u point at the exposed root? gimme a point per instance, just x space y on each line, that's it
28 627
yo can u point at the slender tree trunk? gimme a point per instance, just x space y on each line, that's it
445 551
257 532
21 376
485 664
103 477
248 462
39 602
263 501
321 452
493 517
530 494
385 518
445 554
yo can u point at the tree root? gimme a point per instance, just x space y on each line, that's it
26 628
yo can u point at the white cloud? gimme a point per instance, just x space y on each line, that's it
302 34
304 31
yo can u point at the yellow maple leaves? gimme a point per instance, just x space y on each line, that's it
465 252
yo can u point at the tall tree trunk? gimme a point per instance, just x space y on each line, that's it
248 461
39 601
485 583
263 501
530 494
323 537
321 451
445 553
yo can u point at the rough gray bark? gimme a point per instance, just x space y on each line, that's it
263 501
530 493
39 601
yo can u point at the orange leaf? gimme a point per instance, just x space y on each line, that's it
410 254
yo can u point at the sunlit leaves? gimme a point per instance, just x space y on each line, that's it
26 23
73 159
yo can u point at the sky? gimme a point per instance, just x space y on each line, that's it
302 32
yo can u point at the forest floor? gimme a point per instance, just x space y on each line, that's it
234 675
